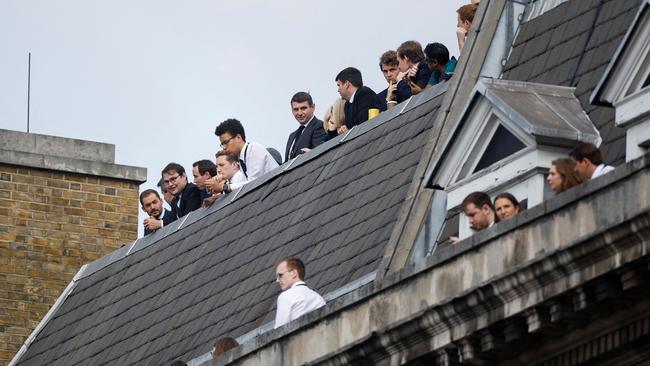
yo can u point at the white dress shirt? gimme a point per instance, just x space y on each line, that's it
258 161
238 178
295 302
601 169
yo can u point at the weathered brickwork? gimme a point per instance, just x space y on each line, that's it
51 223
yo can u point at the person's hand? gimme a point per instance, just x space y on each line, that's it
454 239
152 223
390 92
215 184
415 88
342 129
331 125
411 72
210 200
461 34
304 150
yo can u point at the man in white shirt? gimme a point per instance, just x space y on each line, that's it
296 298
254 159
589 161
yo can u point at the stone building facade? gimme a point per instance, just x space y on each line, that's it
63 203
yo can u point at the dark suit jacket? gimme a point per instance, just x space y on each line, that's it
357 111
190 200
312 136
167 219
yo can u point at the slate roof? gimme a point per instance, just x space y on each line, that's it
571 45
170 295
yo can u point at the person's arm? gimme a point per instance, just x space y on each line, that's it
283 310
367 101
319 136
194 199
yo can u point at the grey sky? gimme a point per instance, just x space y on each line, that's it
156 77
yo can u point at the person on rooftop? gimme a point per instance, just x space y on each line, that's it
562 175
222 345
506 206
589 161
334 117
296 298
310 133
359 99
398 90
413 66
478 208
441 66
465 18
254 159
158 216
203 170
187 196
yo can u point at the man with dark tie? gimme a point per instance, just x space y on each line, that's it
254 159
187 196
310 133
359 99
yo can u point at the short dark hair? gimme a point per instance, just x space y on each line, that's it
411 50
509 197
232 126
224 344
295 263
178 363
437 52
352 75
478 199
301 97
147 192
206 166
588 151
230 157
388 58
173 167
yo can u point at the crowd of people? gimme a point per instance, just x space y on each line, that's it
585 162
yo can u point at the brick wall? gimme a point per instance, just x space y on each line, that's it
50 224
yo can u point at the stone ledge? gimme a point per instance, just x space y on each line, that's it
72 165
56 146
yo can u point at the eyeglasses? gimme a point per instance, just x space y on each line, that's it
171 180
225 143
279 275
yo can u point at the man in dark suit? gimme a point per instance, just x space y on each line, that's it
152 205
397 90
359 99
187 196
310 133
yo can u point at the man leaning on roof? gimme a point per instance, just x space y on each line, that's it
296 298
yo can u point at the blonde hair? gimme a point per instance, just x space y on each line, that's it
337 111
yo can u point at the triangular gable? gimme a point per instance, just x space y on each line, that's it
629 70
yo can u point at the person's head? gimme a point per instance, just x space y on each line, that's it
231 135
475 2
587 158
167 196
335 114
289 271
203 170
222 345
466 16
151 202
478 208
562 175
227 164
409 53
437 56
178 363
174 178
506 206
348 81
389 65
302 107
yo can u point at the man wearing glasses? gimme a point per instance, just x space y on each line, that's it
296 298
254 159
187 196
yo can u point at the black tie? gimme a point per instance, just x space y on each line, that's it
295 142
242 165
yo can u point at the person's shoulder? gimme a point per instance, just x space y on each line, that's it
365 91
192 188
